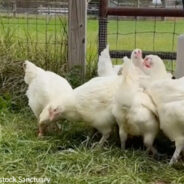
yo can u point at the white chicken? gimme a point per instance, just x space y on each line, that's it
51 97
92 103
150 61
168 96
44 88
155 68
137 60
105 67
133 109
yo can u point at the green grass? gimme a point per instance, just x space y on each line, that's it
69 158
50 30
144 29
32 37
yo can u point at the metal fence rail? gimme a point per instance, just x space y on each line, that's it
105 12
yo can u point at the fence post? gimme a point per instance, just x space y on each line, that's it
180 57
77 34
102 33
14 8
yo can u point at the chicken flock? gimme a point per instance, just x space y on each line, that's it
139 96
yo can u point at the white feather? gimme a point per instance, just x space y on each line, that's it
168 96
105 67
134 111
94 101
44 88
91 102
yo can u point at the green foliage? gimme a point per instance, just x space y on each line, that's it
74 76
49 53
7 103
4 102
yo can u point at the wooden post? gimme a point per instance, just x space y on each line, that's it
14 8
180 58
77 34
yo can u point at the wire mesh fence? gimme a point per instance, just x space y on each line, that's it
36 30
33 30
152 34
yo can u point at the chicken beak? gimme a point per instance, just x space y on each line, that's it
139 54
146 63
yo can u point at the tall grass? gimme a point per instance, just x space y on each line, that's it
42 40
50 54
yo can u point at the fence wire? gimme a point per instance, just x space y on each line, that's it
36 30
151 34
